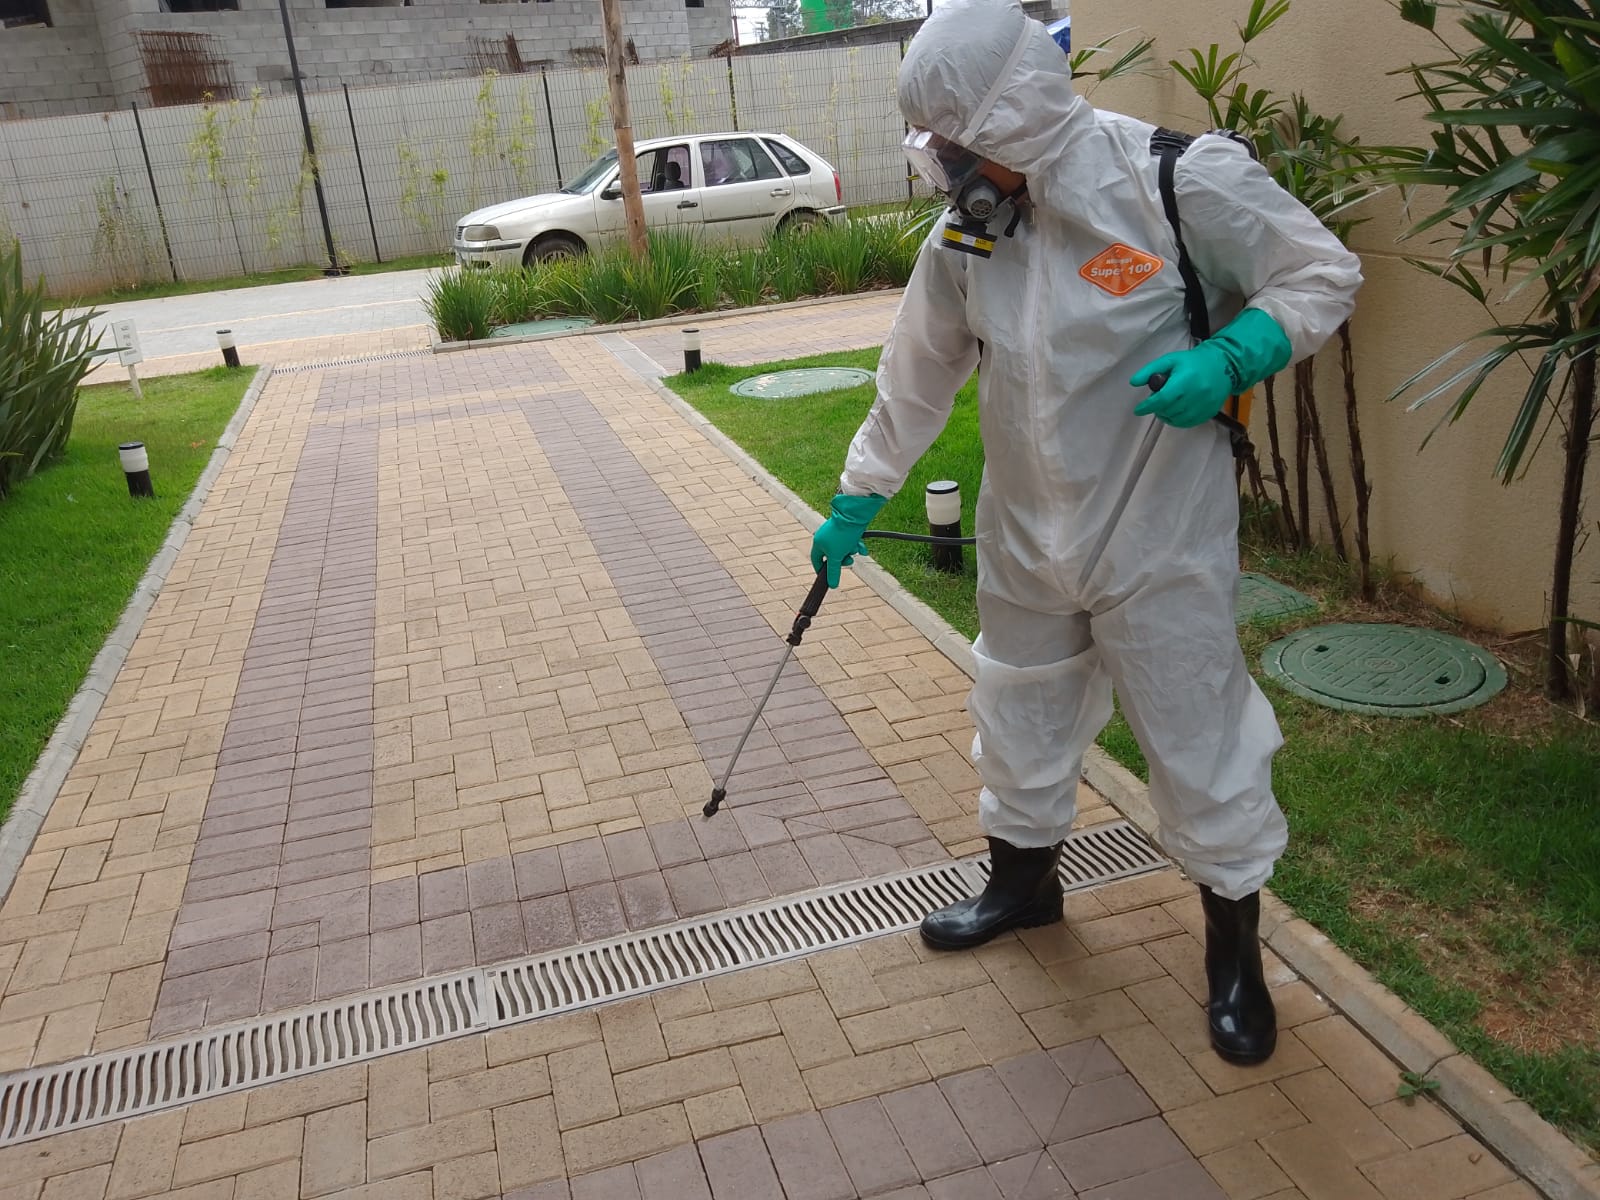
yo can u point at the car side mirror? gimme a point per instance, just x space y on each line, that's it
613 192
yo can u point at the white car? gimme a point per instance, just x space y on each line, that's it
738 186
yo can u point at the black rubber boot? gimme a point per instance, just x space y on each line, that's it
1244 1024
1023 891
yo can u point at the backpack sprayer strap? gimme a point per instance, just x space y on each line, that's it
1169 145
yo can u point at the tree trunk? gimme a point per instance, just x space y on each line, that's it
1319 446
1358 463
627 162
1302 450
1580 427
1280 469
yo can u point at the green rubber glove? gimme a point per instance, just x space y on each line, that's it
1251 348
838 539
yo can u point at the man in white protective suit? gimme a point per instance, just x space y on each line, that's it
1073 311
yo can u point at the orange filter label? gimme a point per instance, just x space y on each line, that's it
1120 269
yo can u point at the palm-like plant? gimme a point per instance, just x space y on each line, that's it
1516 151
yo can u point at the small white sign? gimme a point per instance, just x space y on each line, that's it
126 339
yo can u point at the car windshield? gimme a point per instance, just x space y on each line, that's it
592 175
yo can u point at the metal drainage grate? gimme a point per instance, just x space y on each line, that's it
356 361
123 1084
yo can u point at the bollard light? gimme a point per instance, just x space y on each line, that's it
136 466
943 501
691 350
230 355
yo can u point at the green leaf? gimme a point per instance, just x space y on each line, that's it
1419 12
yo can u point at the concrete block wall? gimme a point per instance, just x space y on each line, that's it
95 62
49 70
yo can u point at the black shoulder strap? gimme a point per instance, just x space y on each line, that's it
1169 146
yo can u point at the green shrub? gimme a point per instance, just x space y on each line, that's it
43 358
744 280
664 281
843 255
463 305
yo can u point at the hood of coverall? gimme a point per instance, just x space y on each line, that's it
985 75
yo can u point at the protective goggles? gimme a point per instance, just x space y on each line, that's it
946 166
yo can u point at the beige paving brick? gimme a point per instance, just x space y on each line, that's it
460 1056
1126 894
1318 1168
426 1146
742 988
939 977
1096 973
545 1036
146 1156
1447 1170
772 1083
581 1080
846 982
900 1024
312 1093
528 1134
1417 1121
87 1184
1347 1052
724 1027
992 1024
1243 1116
812 1031
1126 929
1349 1123
1245 1172
231 1153
1161 1071
866 1075
278 1182
1174 1012
476 1177
131 996
632 1034
397 1093
417 1186
637 1135
1079 1019
676 1079
335 1150
214 1117
68 1033
718 1112
1290 1058
523 1080
949 1054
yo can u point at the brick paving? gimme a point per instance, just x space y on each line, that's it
442 677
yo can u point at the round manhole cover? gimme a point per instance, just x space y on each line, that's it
780 385
550 325
1263 598
1387 670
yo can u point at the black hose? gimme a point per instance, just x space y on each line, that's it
920 537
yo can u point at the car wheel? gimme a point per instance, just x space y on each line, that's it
552 246
799 222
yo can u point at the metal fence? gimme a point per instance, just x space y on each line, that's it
210 191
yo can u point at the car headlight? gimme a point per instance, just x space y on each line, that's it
480 233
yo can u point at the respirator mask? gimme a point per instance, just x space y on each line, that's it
974 200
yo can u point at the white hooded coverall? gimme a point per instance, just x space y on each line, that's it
1067 310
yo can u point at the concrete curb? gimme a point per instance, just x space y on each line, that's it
721 314
40 788
1559 1168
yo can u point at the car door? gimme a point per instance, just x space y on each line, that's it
666 189
745 192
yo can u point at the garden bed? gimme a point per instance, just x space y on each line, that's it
1456 857
73 544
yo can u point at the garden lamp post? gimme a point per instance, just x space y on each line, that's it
333 267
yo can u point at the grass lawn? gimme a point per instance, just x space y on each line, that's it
1457 858
190 287
73 544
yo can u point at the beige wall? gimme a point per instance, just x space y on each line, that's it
1438 515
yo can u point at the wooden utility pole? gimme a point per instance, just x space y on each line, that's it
632 205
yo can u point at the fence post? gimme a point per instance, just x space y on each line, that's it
550 116
161 217
362 172
911 192
733 96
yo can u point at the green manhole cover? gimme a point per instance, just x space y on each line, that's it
780 385
552 325
1261 598
1386 670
